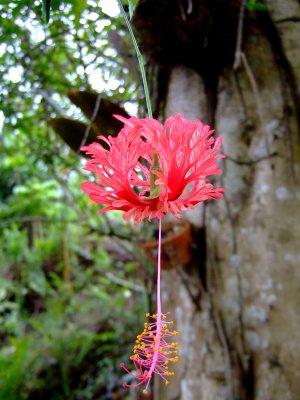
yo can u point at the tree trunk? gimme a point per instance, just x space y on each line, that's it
237 307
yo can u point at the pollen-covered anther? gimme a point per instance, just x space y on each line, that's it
152 352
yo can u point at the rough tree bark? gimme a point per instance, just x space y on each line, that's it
238 306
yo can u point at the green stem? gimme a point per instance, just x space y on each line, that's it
154 189
140 59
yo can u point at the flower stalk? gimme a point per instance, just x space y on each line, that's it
154 189
153 350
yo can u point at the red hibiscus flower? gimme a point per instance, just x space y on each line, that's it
186 154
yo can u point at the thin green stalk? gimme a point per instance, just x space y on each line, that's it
154 189
139 57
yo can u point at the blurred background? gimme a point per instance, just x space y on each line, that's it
74 285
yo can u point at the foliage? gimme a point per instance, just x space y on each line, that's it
254 5
69 297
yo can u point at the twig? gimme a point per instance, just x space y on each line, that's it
238 50
92 120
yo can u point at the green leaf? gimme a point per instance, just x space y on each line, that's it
254 5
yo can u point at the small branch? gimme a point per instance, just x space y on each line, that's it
92 120
238 50
253 86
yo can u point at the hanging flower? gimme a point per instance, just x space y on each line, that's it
147 170
186 155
